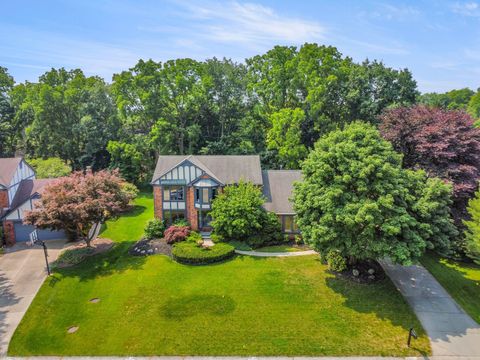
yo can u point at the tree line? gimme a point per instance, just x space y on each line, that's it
277 104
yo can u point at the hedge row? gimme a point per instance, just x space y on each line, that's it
191 253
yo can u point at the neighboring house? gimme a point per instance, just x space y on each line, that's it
18 192
185 185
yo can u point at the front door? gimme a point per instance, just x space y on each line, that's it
204 219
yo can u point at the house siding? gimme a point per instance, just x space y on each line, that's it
192 214
157 202
4 203
9 232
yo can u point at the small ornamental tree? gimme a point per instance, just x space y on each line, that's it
356 199
472 233
237 211
444 143
74 203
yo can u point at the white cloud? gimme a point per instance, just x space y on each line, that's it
467 8
391 12
249 24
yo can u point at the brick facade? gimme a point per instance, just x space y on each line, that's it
4 199
9 232
192 214
157 202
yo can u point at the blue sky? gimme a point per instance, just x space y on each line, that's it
439 41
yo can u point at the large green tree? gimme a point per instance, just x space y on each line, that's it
284 137
7 133
355 198
66 115
456 99
472 232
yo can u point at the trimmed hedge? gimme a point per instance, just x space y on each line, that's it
191 253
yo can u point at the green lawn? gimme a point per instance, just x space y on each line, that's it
279 248
461 280
246 306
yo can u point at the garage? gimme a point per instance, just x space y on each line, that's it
22 233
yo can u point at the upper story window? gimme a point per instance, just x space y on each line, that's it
173 193
205 195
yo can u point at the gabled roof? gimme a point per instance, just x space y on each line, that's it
228 169
28 189
8 166
278 189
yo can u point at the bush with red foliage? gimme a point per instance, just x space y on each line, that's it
176 233
444 143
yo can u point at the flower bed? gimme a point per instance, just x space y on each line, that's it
191 253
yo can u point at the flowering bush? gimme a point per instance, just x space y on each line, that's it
176 234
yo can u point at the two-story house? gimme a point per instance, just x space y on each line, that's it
19 189
185 185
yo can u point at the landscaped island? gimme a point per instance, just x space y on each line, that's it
246 306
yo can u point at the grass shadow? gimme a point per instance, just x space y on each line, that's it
187 306
381 299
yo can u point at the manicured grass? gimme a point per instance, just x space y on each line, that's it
245 306
461 280
279 248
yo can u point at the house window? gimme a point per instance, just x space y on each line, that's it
205 197
173 193
197 195
289 224
170 216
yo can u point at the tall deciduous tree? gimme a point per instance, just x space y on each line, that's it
284 137
74 203
442 142
356 198
49 168
7 133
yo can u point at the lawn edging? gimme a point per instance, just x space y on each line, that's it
276 254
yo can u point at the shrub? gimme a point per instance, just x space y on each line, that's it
181 222
154 229
190 253
336 262
176 234
216 238
299 240
194 237
130 190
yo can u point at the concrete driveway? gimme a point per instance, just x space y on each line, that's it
452 332
22 271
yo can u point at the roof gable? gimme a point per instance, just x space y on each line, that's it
226 169
8 167
278 189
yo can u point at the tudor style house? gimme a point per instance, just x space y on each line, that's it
185 185
19 189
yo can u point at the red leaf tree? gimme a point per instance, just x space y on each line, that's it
74 203
443 142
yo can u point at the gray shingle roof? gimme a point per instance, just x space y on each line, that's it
278 189
8 166
228 169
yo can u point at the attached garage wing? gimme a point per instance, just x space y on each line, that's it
22 233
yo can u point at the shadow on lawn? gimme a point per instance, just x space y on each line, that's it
187 306
115 261
381 299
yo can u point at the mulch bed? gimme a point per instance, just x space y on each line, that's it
367 272
98 246
146 247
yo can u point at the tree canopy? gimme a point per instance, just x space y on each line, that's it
355 198
443 143
50 168
74 203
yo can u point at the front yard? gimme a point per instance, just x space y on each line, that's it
461 280
246 306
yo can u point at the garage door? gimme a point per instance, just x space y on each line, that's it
22 233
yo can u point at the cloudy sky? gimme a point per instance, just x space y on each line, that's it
439 41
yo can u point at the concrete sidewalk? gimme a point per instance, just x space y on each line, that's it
22 271
276 254
451 331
